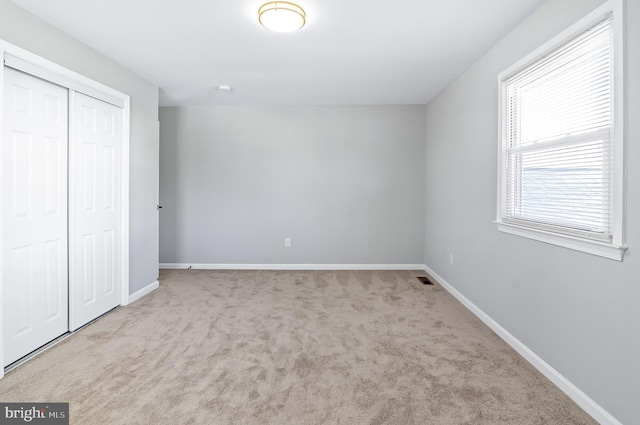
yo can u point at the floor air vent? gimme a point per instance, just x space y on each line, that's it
425 280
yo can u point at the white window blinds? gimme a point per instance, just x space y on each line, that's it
557 145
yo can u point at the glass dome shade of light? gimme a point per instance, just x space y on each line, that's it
281 16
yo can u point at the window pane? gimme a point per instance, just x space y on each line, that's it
573 94
563 186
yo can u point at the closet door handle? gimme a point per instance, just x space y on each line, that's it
159 207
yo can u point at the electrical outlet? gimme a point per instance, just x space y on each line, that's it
451 258
287 242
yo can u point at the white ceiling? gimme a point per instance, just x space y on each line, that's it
350 52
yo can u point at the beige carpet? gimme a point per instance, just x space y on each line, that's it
295 347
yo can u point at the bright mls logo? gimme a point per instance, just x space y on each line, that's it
34 413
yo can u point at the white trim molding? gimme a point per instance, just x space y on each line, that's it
144 291
124 201
196 266
601 249
566 386
1 209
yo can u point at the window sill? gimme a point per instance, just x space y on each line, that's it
601 249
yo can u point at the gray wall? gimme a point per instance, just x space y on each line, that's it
345 183
29 32
580 313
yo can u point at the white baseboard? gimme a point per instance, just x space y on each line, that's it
292 266
144 291
581 399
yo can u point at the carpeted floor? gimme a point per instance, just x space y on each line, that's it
291 347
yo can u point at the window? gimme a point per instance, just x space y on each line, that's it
561 147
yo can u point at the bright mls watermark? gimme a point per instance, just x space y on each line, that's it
34 413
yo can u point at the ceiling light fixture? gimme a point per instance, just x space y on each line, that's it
281 16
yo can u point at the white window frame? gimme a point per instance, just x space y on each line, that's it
616 248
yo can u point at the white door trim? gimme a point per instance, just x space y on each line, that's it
74 81
1 233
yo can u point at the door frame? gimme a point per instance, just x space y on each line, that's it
73 81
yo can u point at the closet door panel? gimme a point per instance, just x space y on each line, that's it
95 154
34 213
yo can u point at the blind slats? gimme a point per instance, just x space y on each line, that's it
557 157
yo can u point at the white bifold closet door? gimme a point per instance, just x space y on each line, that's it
94 208
34 213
